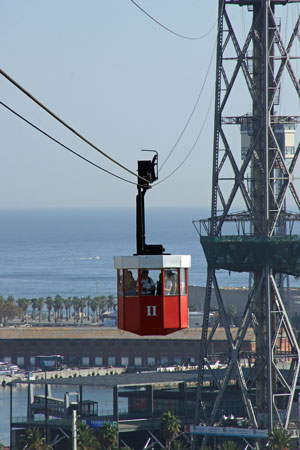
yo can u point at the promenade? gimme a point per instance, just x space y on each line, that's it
61 374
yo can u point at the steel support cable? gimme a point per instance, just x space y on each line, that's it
9 78
192 38
63 145
193 146
193 110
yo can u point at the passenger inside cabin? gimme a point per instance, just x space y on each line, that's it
130 284
147 284
159 285
171 283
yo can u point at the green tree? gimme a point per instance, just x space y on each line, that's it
108 436
49 303
8 310
179 445
228 445
232 312
34 440
194 308
86 439
279 439
169 427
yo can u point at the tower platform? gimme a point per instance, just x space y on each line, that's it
252 253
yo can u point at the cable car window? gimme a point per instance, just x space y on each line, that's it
171 282
120 283
182 281
159 284
149 280
130 278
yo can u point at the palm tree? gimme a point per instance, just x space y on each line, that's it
11 299
49 303
88 302
86 439
169 428
94 306
76 301
68 304
23 303
34 440
279 439
102 305
82 306
2 302
108 436
111 302
58 302
40 305
34 306
61 310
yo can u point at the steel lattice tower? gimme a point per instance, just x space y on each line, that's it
264 244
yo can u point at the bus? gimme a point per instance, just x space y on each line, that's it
49 362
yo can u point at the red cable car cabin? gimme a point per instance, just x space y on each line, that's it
152 293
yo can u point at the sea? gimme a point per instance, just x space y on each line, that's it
70 252
104 397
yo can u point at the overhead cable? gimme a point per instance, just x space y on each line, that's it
171 31
63 145
193 110
193 146
66 125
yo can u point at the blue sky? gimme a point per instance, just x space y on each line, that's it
120 80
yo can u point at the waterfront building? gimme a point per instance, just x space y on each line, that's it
103 346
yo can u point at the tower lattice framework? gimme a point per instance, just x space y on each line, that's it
252 66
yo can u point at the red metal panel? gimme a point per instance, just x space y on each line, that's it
171 312
132 320
184 311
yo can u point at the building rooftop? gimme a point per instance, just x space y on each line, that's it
91 333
